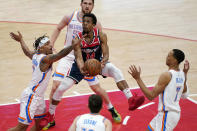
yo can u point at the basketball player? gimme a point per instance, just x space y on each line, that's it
32 104
92 121
74 25
170 87
94 45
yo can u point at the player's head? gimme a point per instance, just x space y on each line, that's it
95 103
175 57
89 21
42 45
87 6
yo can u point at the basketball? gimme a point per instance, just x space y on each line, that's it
92 66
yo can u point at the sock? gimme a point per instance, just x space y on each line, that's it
109 106
127 93
52 109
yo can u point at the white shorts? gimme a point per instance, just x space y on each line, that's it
164 121
31 107
63 68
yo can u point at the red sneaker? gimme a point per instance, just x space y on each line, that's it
135 101
47 122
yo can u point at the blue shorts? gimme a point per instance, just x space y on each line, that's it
75 73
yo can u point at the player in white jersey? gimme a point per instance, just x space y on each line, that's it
32 104
170 87
92 121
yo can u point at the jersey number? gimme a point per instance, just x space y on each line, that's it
84 129
90 56
177 91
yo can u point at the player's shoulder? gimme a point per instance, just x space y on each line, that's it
166 76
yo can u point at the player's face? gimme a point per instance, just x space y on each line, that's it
48 48
87 6
170 58
87 24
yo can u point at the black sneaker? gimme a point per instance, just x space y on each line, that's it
115 115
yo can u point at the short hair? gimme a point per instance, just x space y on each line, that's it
37 41
178 55
92 1
94 19
95 103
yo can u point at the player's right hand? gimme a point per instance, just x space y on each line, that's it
186 66
16 37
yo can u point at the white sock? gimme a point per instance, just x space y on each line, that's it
127 93
109 106
52 109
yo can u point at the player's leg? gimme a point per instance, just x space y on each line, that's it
62 70
111 70
26 114
74 77
19 127
95 86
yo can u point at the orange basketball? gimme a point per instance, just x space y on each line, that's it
93 67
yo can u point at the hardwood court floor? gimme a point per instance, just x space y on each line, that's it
172 18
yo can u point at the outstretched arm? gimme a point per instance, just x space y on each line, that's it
19 38
163 81
105 49
185 70
59 27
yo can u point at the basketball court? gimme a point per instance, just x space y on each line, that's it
139 32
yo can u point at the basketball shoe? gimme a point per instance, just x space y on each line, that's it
135 101
51 121
115 115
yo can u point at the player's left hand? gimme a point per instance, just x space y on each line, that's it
186 66
135 73
16 37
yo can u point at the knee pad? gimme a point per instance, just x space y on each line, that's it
111 70
65 85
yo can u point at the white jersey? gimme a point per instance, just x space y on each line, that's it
40 79
170 97
91 122
73 28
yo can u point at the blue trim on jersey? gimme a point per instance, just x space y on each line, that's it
39 81
21 120
39 116
28 119
149 128
90 79
58 75
165 117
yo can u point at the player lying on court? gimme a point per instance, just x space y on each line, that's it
92 121
94 45
170 87
32 104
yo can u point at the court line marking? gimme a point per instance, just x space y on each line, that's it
192 100
192 94
76 93
148 104
81 94
128 31
125 120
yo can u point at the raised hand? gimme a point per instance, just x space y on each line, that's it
186 66
16 37
135 73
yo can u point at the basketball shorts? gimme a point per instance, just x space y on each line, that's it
63 68
76 75
31 107
164 120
